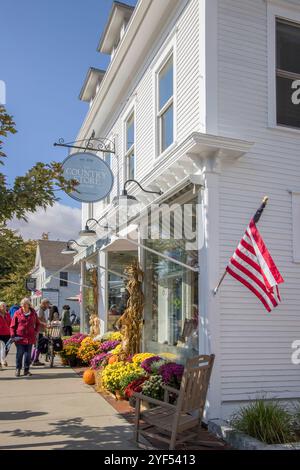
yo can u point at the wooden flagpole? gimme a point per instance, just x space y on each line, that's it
256 218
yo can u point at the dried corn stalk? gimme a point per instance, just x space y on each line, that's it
132 319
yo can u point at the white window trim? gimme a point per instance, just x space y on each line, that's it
170 49
130 109
289 12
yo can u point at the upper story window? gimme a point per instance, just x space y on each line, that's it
287 73
130 148
63 275
165 105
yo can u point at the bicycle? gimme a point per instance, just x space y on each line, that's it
53 334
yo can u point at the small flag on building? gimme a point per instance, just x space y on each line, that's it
38 293
253 266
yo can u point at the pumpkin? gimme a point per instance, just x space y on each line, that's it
89 377
113 359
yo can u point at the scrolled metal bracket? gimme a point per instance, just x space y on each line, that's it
99 144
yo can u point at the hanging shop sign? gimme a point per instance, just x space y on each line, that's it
94 176
30 284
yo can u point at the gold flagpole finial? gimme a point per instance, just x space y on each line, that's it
265 199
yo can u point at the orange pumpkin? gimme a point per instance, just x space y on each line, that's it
89 377
113 359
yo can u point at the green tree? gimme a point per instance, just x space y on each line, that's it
16 260
37 188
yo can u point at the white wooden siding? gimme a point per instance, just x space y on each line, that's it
186 29
255 346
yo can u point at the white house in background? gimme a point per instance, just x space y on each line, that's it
200 92
60 284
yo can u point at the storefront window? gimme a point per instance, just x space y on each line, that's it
117 293
171 299
90 294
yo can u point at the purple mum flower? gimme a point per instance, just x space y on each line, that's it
146 364
108 345
75 339
171 373
96 362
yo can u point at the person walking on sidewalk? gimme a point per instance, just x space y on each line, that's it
4 331
66 323
44 306
13 309
25 324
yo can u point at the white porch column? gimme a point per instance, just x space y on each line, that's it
82 305
102 290
209 324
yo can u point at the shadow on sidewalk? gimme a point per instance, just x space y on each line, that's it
18 415
38 376
76 436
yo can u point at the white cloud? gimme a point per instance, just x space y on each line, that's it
61 221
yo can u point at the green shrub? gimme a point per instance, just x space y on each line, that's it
265 420
296 417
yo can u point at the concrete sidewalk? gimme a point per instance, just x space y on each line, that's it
54 409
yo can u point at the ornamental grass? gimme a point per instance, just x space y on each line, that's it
267 421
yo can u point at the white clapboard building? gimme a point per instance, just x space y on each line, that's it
200 102
57 279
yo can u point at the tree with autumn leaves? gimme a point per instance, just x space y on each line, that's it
37 188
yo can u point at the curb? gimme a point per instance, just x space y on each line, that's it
241 441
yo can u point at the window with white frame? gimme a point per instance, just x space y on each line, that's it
165 105
130 147
287 73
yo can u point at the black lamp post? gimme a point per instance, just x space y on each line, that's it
69 250
124 196
87 232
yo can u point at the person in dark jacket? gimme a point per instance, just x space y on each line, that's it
25 325
66 322
52 311
4 330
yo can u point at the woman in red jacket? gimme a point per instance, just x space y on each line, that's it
25 324
4 328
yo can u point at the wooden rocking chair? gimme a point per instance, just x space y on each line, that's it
177 423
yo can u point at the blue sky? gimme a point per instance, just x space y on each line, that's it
46 48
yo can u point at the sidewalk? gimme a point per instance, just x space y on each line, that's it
54 409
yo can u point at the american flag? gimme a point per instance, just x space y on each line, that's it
38 293
253 266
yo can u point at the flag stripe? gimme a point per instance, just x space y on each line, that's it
245 257
265 259
250 287
253 266
255 280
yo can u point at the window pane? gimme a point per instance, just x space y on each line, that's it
117 293
130 132
63 279
288 113
130 163
171 303
288 47
167 128
166 83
